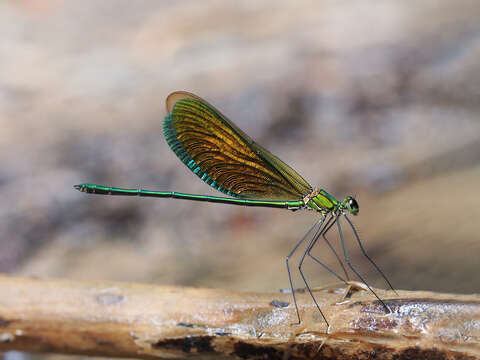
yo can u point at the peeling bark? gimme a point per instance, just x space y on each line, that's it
147 321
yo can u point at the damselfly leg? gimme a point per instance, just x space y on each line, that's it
328 225
316 226
366 255
347 259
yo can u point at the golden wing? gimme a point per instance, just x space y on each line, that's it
224 156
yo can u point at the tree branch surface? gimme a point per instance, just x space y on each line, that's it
148 321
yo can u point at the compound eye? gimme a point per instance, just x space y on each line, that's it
353 206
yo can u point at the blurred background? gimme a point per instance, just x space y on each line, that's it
373 99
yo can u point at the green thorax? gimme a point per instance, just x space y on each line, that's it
320 200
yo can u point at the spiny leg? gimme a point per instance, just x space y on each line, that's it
368 257
317 224
312 241
353 269
328 225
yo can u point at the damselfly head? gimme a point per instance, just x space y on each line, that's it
351 205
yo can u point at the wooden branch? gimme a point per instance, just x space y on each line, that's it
146 321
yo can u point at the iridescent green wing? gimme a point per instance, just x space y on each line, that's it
224 156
